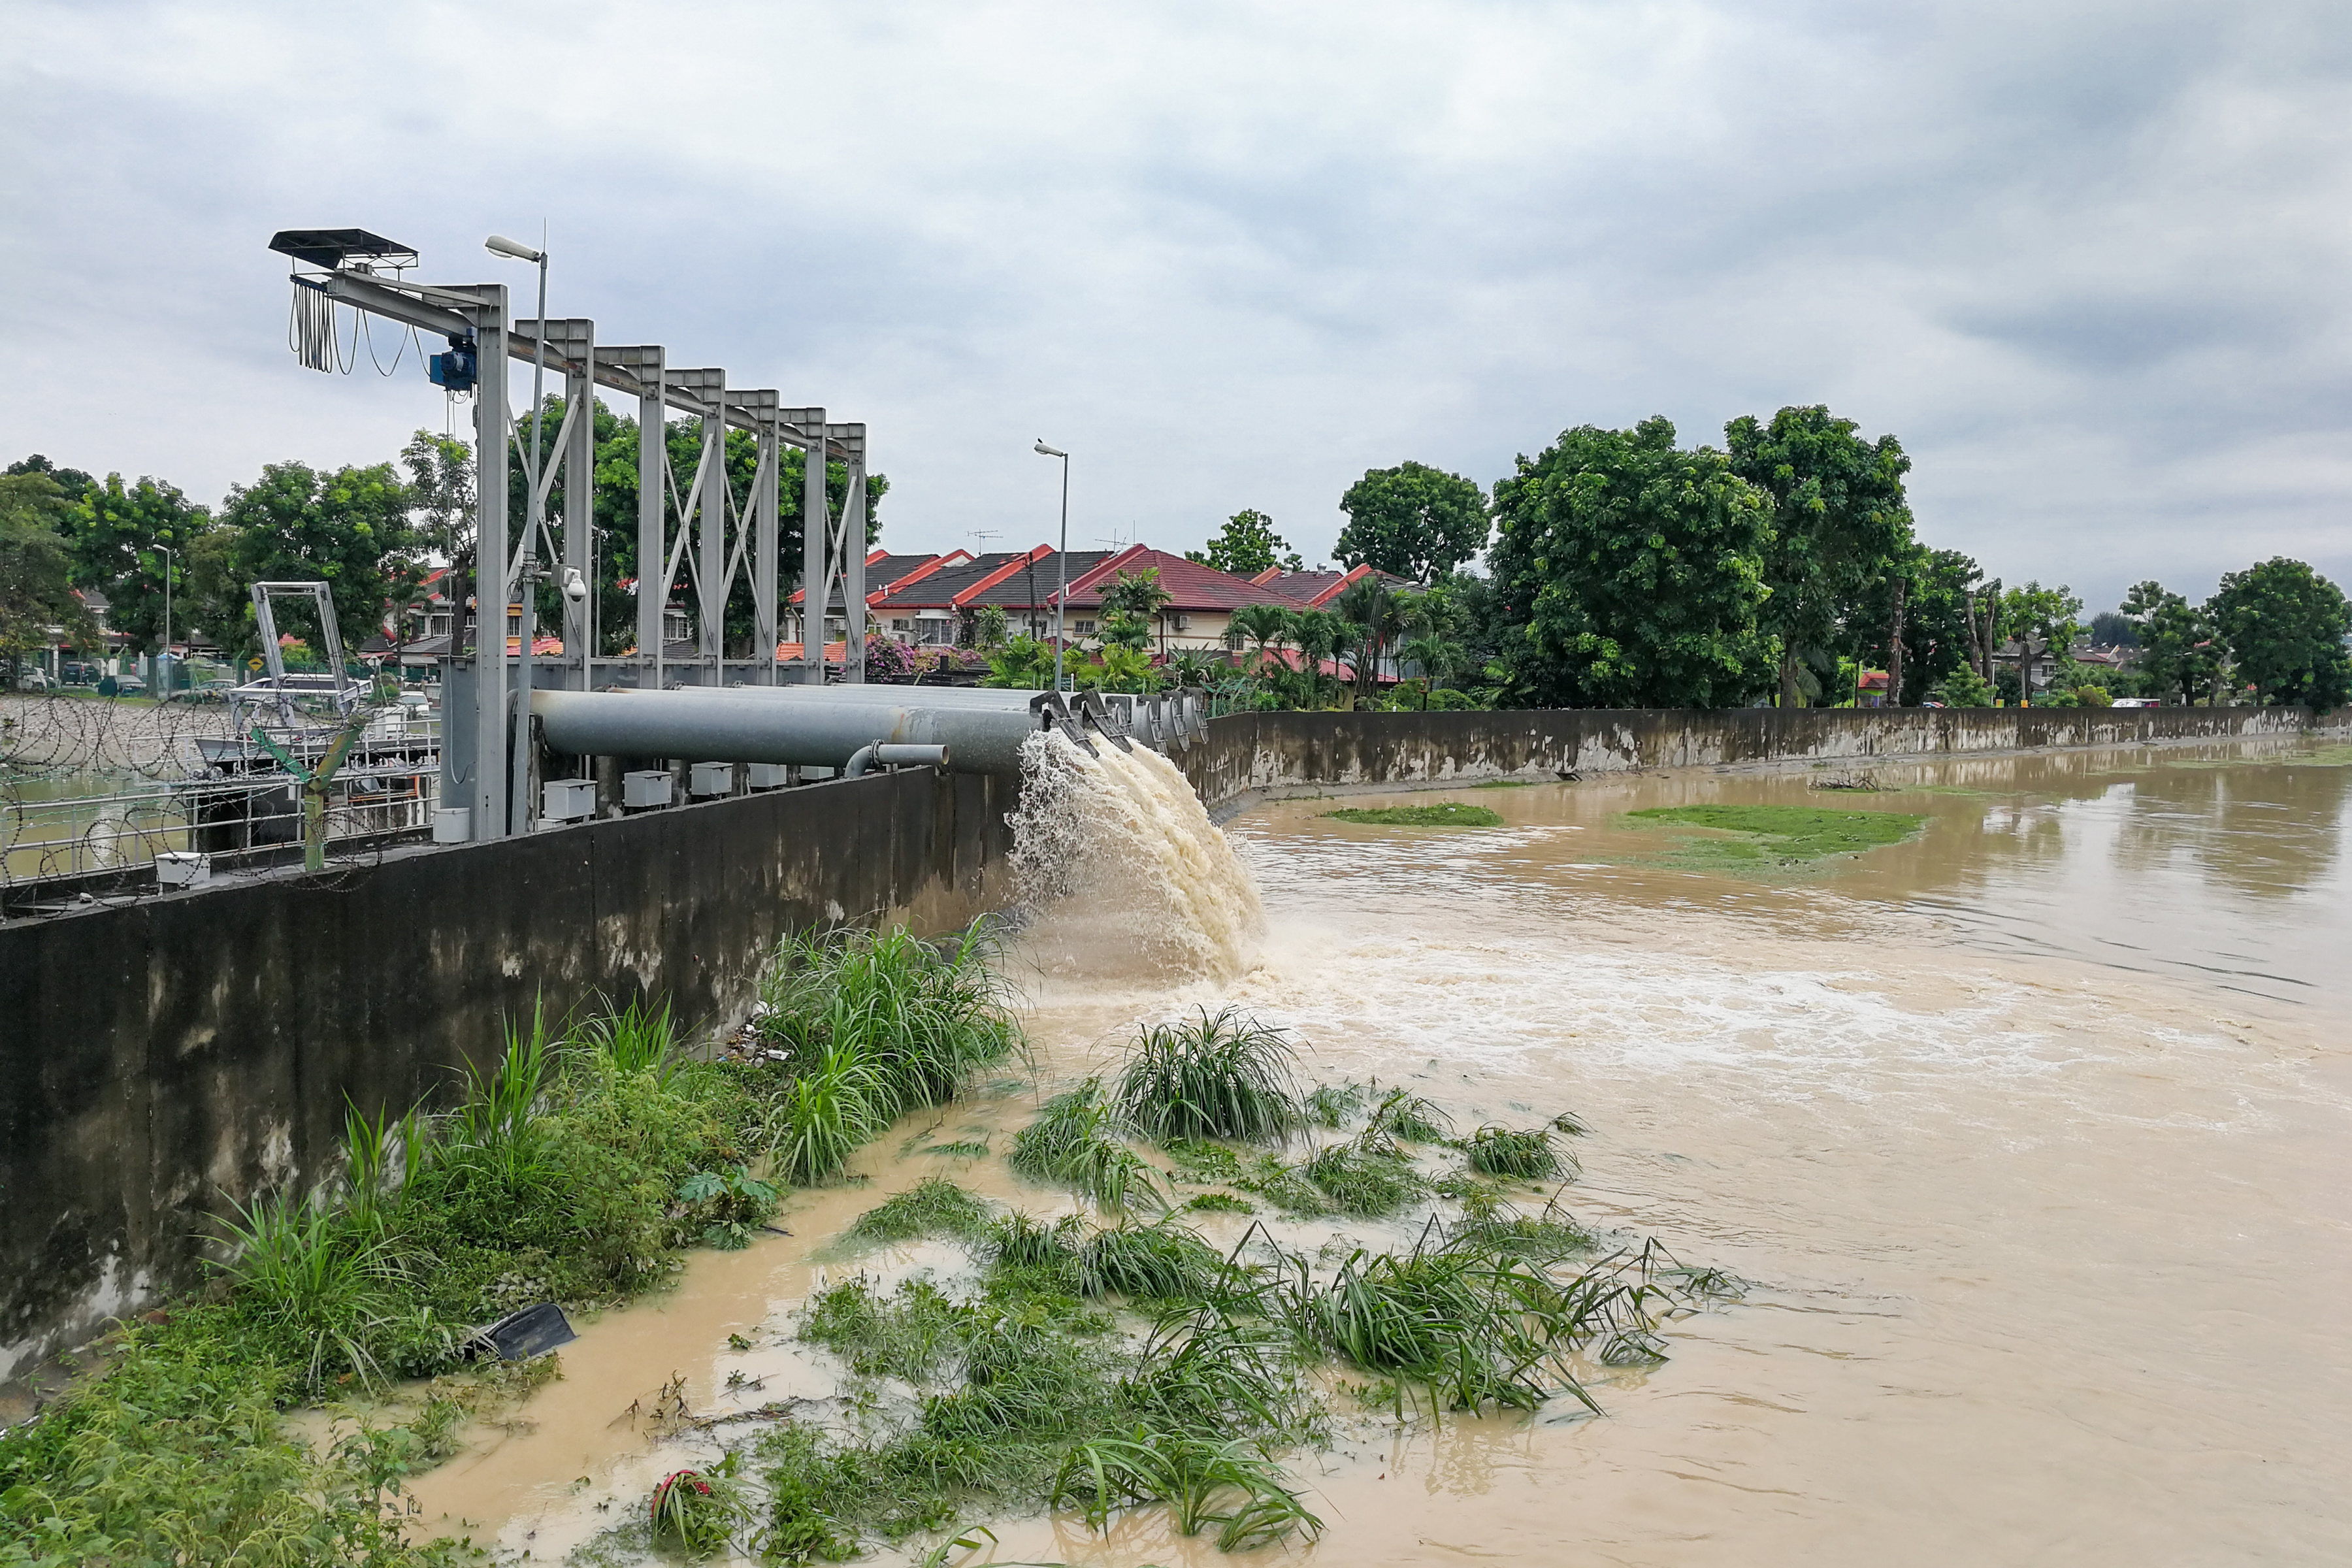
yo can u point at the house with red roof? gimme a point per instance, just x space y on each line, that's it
1201 599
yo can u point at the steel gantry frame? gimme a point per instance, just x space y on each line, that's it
716 538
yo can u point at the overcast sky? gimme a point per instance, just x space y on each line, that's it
2087 260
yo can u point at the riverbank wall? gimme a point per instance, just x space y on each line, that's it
1247 757
161 1055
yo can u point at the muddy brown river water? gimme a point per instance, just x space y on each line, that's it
2032 1132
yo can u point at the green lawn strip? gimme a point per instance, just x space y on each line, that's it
1452 814
1784 832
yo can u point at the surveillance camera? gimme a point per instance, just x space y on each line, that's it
576 586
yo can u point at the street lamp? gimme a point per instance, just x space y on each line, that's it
170 561
1061 557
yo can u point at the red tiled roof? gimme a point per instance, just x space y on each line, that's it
1189 585
1317 589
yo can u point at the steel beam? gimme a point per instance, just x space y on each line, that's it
817 518
849 440
705 392
760 407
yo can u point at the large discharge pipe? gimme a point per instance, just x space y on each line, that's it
720 726
1176 716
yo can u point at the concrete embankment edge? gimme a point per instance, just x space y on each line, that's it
1247 757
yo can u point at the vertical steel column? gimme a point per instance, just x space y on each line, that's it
816 516
580 499
640 369
710 533
851 440
764 546
491 698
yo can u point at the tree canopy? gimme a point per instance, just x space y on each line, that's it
2180 654
36 568
1246 546
1840 523
349 528
2285 625
1412 520
1636 569
121 534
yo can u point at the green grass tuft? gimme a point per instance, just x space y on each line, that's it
1219 1203
1507 1152
1076 1143
1452 814
933 1206
1216 1075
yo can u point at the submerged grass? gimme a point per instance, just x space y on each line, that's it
1076 1143
1220 1074
1452 814
1509 1152
933 1206
1785 834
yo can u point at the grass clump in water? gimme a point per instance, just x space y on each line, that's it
1076 1142
1786 834
1452 814
1162 1261
1509 1152
1219 1203
1402 1116
1220 1075
1202 1480
933 1206
907 1334
874 1024
1365 1179
1335 1105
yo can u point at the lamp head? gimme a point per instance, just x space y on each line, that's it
500 244
1050 451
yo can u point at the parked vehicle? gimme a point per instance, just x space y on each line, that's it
130 686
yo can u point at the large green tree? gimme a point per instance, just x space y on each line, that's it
2285 625
36 598
2180 654
1840 523
1246 546
1412 520
349 528
1634 573
125 538
2041 618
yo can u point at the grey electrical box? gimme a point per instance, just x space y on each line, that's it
640 792
706 779
567 800
769 775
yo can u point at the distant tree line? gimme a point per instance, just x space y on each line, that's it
1628 571
371 533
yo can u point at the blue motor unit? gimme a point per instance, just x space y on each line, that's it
455 370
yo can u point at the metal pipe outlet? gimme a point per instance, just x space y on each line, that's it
713 726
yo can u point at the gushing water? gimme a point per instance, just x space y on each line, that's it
1118 866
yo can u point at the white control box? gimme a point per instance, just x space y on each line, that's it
704 780
182 869
770 775
640 792
567 800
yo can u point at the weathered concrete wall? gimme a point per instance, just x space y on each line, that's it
159 1056
1249 754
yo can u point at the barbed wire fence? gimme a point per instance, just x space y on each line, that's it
94 791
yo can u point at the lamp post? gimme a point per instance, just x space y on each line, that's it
526 573
170 561
1061 558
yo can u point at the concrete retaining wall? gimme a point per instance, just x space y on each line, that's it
160 1055
1249 754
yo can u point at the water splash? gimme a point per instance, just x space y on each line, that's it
1120 868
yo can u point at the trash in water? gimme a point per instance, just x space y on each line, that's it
530 1331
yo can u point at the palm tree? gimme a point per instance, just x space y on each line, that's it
1374 611
1436 659
1262 624
1138 593
1318 634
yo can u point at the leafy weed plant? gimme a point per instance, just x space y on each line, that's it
1220 1075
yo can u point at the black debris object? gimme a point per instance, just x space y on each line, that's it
530 1331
